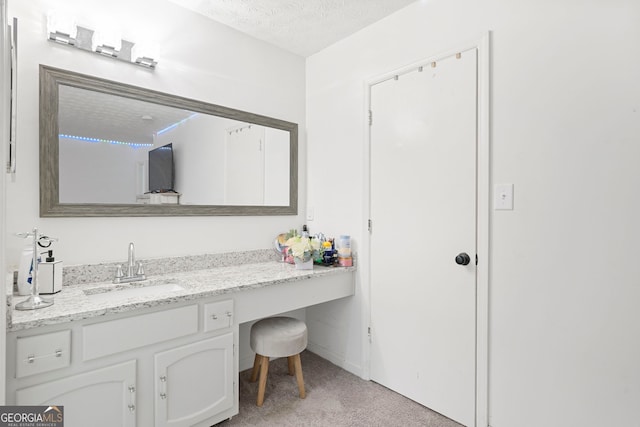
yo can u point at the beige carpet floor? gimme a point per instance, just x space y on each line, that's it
334 398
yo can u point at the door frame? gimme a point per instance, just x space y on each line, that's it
4 155
483 182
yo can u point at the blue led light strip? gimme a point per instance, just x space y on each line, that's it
168 128
109 141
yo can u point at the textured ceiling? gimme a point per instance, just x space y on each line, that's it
303 27
92 114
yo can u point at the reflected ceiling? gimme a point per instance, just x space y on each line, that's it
92 114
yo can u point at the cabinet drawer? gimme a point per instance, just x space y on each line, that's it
42 353
115 336
218 315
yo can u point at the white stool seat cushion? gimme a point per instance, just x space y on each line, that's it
278 337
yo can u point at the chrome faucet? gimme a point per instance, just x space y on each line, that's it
135 272
132 260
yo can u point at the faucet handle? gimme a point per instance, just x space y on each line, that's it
140 271
119 272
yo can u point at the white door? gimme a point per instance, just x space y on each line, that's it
194 382
423 211
244 166
103 397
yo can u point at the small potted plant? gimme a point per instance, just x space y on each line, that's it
303 250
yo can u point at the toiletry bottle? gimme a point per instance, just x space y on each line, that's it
25 269
49 274
327 253
344 251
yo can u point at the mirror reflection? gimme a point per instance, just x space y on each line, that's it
109 149
119 150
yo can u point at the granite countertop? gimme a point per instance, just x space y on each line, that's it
76 302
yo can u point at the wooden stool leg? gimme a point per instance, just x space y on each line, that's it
298 366
264 368
291 363
256 368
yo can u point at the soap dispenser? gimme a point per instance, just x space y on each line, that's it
50 274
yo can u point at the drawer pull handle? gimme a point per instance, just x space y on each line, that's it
58 353
132 389
132 408
229 314
163 395
163 378
31 358
214 317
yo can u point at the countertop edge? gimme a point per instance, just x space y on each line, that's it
197 294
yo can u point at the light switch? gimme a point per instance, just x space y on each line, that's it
503 197
310 213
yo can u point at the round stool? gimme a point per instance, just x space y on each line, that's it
277 337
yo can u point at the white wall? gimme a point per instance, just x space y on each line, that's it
98 173
198 60
565 124
198 146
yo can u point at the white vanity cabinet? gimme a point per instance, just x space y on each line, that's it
103 397
154 360
194 382
161 366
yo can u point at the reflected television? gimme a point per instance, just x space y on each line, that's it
161 169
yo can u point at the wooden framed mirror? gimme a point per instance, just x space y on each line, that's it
96 142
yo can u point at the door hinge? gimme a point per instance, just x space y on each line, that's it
370 117
369 225
369 333
476 259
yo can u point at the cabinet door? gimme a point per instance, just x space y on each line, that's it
194 382
101 398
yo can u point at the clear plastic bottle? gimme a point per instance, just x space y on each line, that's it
25 269
344 251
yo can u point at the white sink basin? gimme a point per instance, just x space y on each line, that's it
112 294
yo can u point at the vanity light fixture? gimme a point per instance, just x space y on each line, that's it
145 54
107 43
146 62
62 38
107 50
64 30
61 30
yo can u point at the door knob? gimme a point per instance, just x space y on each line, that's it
463 258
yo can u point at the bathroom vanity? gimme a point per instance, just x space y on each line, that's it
161 352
